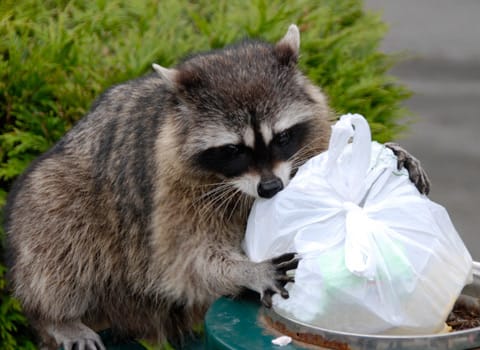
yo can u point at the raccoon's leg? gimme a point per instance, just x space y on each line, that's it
416 172
75 335
222 271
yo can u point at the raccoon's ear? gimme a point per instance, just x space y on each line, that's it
167 74
288 47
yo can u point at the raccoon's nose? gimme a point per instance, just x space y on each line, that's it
268 188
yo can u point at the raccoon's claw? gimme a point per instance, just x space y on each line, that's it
415 170
281 265
267 298
76 336
83 344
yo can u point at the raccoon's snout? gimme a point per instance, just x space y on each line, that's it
269 188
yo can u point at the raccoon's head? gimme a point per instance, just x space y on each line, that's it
248 116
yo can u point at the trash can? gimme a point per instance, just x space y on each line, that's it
237 324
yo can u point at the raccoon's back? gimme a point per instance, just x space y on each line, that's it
91 194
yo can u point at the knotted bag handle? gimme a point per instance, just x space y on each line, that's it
350 126
349 182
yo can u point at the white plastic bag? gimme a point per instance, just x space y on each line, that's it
377 256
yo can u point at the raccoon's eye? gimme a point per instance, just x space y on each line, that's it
283 138
230 160
286 143
231 150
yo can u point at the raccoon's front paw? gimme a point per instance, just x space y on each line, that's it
415 170
271 277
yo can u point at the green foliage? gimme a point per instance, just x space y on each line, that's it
149 346
56 56
13 334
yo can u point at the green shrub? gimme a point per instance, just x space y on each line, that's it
56 56
14 333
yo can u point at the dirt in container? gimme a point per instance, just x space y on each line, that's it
465 313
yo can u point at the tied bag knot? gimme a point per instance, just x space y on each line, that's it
360 241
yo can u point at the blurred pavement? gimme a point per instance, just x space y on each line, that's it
442 37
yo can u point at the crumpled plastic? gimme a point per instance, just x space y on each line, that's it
377 257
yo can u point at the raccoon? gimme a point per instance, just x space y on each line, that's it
135 217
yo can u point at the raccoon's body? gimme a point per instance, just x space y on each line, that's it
135 217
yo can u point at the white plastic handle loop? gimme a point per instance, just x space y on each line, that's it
350 126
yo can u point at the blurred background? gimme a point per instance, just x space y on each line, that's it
442 41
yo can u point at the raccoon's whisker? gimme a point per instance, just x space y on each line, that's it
297 165
213 209
228 198
246 205
225 199
237 202
214 184
294 158
218 198
203 202
305 150
219 195
297 162
301 156
219 188
214 190
247 201
241 208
